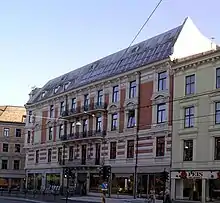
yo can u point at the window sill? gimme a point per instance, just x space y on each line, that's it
215 127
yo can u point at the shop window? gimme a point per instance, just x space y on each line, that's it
188 150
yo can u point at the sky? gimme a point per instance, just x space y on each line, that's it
42 39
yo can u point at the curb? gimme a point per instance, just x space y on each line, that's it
21 199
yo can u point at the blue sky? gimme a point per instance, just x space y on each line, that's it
42 39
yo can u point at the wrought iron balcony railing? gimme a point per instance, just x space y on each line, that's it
84 162
85 108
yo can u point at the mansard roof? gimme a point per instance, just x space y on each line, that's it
149 51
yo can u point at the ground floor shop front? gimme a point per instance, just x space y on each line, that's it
89 180
195 185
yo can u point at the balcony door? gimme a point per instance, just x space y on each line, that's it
97 153
83 154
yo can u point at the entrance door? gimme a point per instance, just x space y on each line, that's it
97 154
83 161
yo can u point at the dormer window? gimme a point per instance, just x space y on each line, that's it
43 94
66 85
135 49
56 89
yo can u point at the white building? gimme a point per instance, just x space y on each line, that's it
196 130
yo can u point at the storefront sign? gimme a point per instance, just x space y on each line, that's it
195 174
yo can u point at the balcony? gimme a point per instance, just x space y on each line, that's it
84 135
91 108
82 162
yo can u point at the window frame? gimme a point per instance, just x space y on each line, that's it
51 111
190 143
132 89
100 97
50 133
161 113
7 147
37 156
190 116
160 146
17 148
130 149
62 107
49 155
162 79
16 132
190 81
217 112
131 122
113 150
6 132
16 164
217 78
114 121
115 93
4 164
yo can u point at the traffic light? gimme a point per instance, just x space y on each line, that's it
105 172
165 176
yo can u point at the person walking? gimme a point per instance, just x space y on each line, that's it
167 196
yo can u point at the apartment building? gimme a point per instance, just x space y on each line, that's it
196 142
116 111
12 156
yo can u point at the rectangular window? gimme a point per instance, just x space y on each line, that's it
217 77
114 121
189 117
190 84
62 107
217 112
16 164
5 164
6 132
51 111
59 154
17 148
131 119
61 131
85 127
37 157
29 137
100 98
71 153
30 117
115 94
86 102
160 146
49 155
188 150
18 132
217 148
162 77
5 147
130 149
113 150
50 137
132 89
73 105
161 113
99 124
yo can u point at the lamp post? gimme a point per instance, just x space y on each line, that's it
137 138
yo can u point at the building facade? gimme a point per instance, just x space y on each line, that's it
195 141
12 155
116 111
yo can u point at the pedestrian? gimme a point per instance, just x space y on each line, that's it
167 196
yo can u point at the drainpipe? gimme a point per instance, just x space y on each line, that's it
137 139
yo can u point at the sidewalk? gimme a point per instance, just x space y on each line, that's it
96 197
